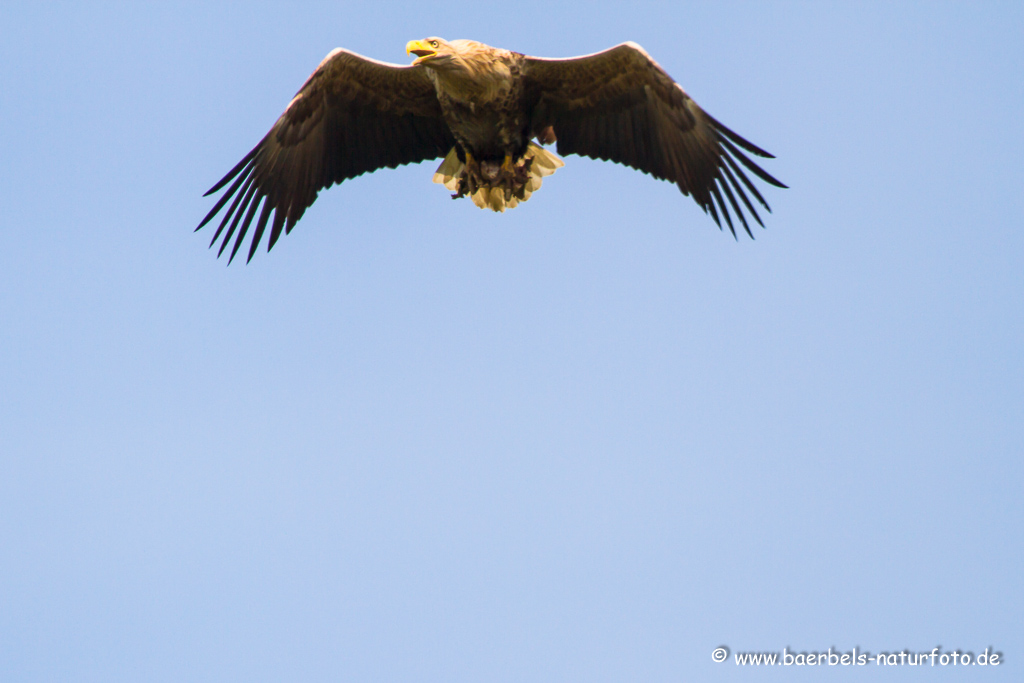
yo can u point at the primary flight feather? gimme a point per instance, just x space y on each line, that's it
480 108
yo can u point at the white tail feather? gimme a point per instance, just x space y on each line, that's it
544 164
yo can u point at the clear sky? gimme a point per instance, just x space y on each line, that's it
590 439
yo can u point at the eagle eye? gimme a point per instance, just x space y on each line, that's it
433 43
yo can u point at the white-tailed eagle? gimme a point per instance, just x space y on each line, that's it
480 108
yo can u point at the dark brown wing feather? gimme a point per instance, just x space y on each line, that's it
352 116
619 105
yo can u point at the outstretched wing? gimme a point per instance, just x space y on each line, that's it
353 115
619 105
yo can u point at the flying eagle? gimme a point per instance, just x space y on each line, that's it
479 108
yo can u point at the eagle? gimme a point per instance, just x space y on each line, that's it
487 113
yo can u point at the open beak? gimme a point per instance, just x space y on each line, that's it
420 49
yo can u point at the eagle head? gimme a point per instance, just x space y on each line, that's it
433 52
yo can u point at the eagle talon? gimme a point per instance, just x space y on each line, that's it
522 173
460 187
508 166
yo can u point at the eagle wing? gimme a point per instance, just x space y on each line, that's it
619 105
351 116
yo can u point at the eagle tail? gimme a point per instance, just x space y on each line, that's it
537 162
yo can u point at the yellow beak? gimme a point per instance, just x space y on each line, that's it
420 49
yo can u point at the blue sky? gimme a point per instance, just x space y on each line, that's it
590 439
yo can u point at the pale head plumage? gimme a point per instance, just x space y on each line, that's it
465 69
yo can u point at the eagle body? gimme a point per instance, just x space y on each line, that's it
482 101
486 112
